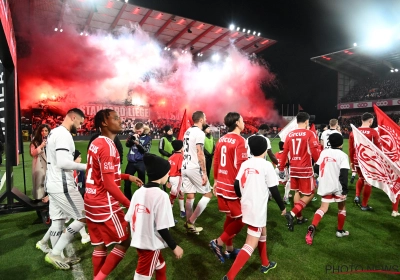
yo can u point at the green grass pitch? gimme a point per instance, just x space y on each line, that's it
373 243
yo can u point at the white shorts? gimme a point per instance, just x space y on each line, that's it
63 205
192 182
176 185
334 197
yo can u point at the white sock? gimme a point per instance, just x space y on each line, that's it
189 207
83 232
56 231
199 209
181 205
353 174
67 236
287 189
46 237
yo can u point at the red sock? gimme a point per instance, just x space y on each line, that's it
172 198
98 259
228 220
317 217
298 207
262 250
229 242
341 217
241 259
366 194
111 262
161 273
395 206
359 186
232 229
300 214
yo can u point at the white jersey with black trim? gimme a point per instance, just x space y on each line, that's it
59 180
192 137
325 137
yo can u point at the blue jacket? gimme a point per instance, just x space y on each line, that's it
136 152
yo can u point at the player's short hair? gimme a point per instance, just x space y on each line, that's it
230 120
281 145
366 116
264 126
77 111
333 122
100 117
139 125
196 116
302 117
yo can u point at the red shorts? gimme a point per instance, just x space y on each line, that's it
360 175
148 262
230 206
304 185
114 230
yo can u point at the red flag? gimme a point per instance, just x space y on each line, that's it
377 168
185 125
300 108
390 134
312 128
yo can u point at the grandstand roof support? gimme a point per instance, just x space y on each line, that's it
64 3
146 16
260 49
159 31
89 19
118 17
251 44
206 47
195 40
180 34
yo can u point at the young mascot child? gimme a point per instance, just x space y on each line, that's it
175 178
150 216
333 167
255 179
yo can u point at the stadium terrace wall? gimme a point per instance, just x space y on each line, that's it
368 104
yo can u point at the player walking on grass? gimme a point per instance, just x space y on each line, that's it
333 169
105 218
150 216
373 136
65 199
175 178
194 175
254 180
230 153
302 147
333 125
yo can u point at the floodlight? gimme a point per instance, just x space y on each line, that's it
232 27
56 29
380 38
216 57
238 28
392 70
396 70
61 30
254 33
355 44
244 29
248 31
81 33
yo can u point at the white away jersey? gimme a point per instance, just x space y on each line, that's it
59 180
248 147
330 162
150 211
325 137
255 176
192 137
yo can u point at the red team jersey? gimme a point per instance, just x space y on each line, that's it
230 153
371 134
176 164
103 158
281 160
301 146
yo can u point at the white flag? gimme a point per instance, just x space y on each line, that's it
292 125
378 170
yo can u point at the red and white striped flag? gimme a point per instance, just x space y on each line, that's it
378 169
292 125
389 132
185 125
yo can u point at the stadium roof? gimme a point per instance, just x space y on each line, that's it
171 30
360 62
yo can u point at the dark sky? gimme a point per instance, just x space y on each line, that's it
303 29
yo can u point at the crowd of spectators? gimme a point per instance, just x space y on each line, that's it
345 121
373 89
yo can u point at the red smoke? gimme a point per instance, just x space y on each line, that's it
100 68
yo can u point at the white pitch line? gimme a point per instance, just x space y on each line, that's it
77 271
3 180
